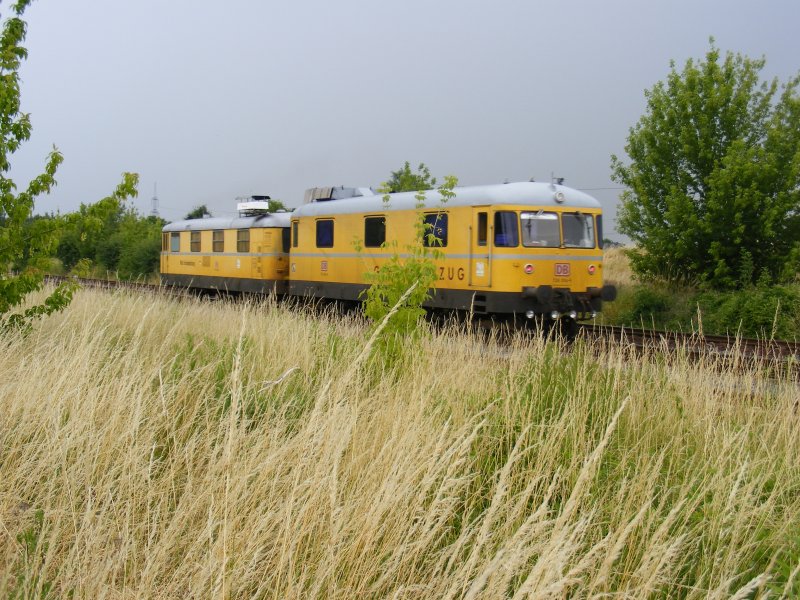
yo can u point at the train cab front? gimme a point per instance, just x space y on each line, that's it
563 277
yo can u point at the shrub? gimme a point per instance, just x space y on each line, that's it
649 304
760 311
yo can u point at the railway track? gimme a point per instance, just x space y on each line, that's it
724 348
718 346
109 284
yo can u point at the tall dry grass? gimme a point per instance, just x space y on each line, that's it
162 449
617 267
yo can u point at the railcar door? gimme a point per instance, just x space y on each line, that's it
257 249
480 252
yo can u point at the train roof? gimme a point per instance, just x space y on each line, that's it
529 193
269 220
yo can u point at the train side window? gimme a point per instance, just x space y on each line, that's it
483 228
325 233
600 231
218 241
506 229
243 240
578 230
175 242
286 238
435 230
540 229
374 232
294 234
194 242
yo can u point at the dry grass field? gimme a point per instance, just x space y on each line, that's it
616 267
154 448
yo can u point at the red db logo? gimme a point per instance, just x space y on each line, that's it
562 270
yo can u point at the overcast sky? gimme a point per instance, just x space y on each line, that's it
214 100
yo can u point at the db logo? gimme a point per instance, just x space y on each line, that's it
562 269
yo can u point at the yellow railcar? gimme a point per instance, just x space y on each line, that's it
245 254
512 249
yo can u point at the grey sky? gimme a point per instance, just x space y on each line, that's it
215 100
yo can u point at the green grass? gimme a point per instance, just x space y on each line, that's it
160 448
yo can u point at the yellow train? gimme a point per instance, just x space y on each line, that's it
246 254
507 250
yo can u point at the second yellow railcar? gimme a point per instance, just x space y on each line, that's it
245 254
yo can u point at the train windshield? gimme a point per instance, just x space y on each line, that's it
578 230
540 229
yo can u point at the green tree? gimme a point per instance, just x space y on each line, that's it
22 249
198 212
140 245
405 180
276 205
714 176
25 244
90 233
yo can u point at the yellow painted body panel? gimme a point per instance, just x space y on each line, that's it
464 266
265 259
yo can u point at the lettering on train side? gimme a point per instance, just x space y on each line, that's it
451 273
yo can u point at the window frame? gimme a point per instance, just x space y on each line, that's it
382 229
430 238
242 244
218 240
295 232
321 222
195 241
482 233
539 213
587 217
286 239
501 231
599 230
173 237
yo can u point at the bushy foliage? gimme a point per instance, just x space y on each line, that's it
89 231
276 206
140 247
760 311
404 282
647 302
198 212
405 180
713 184
23 244
112 235
27 242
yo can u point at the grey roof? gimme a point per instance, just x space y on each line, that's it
522 193
270 220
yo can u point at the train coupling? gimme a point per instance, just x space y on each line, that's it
607 293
